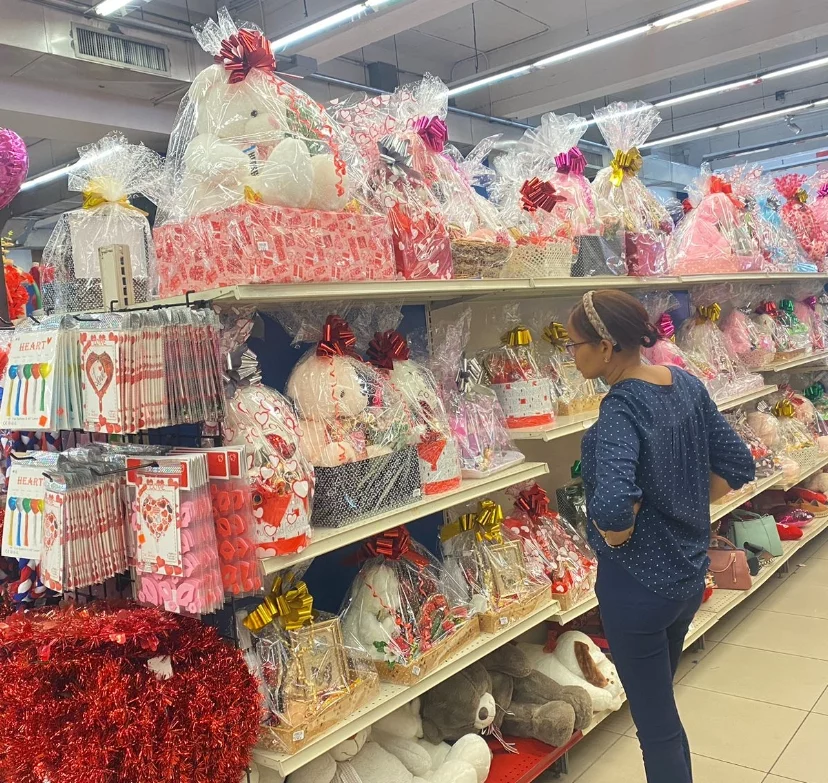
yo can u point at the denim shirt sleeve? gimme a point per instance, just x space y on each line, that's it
730 456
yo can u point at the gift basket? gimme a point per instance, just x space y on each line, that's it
569 562
311 677
498 582
357 431
598 251
571 502
475 415
625 127
806 412
794 438
765 459
103 252
258 187
801 219
713 238
743 337
810 311
790 336
513 372
387 179
403 608
820 206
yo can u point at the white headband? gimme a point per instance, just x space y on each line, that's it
595 319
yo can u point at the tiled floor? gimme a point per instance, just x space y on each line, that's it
754 702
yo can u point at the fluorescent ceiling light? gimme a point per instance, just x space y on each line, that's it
688 15
108 7
807 66
63 171
706 93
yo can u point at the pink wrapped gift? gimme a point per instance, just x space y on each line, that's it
256 243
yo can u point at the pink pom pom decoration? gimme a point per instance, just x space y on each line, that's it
14 165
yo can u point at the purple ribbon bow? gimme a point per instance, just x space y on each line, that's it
571 162
810 301
433 131
823 191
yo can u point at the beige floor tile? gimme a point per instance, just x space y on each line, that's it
740 731
792 634
817 548
619 722
806 757
587 752
777 678
735 616
822 705
691 659
799 595
813 571
777 779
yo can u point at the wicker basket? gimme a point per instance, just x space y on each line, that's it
572 598
478 259
553 259
591 402
807 459
490 622
409 673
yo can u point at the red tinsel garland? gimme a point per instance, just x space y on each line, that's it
80 705
16 293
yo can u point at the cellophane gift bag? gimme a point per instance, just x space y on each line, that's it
798 215
795 440
765 459
625 127
387 180
809 310
258 181
713 238
598 248
94 251
790 336
357 430
743 335
405 609
819 206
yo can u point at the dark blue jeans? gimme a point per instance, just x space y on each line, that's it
646 633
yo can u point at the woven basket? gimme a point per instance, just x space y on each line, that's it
807 459
553 259
581 593
490 622
590 402
757 358
478 259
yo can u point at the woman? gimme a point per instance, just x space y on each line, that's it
658 454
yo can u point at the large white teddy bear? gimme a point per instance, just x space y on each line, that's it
577 660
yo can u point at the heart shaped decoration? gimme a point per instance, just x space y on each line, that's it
301 488
266 473
157 514
262 418
50 530
100 370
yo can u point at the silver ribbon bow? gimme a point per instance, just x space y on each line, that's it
469 374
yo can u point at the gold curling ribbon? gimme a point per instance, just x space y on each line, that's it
93 197
294 608
252 196
486 524
556 334
625 164
783 408
520 335
710 312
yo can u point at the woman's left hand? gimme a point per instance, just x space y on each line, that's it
619 537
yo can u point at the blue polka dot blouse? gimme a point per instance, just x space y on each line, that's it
658 444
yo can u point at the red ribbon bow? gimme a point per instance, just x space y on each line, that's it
534 501
387 348
571 162
433 131
244 51
810 301
718 185
686 205
665 327
768 308
393 544
536 194
337 338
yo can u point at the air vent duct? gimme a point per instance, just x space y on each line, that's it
111 48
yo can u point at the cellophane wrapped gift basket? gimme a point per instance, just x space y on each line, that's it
765 459
743 336
499 585
790 336
312 675
819 205
625 127
795 440
405 610
94 251
796 212
806 412
809 310
386 180
258 181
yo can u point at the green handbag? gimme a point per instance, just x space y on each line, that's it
757 530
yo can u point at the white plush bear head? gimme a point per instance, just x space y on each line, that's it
404 722
347 749
328 388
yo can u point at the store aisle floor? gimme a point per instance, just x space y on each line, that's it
754 701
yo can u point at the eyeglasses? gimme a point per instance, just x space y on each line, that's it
570 346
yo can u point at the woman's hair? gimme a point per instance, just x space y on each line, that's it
624 317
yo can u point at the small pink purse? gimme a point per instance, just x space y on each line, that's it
728 565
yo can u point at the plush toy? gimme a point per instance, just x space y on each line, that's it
578 661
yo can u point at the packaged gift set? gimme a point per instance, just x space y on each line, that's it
499 584
795 439
311 679
796 212
745 335
809 309
258 189
571 501
790 336
764 457
404 609
819 206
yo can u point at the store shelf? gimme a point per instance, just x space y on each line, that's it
803 474
744 399
392 697
735 499
808 358
329 539
576 611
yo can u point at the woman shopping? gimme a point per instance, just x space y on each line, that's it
658 454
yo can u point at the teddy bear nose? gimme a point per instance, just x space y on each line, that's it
254 113
483 714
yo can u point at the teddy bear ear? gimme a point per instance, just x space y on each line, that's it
431 733
589 669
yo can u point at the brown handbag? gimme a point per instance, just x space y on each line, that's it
728 565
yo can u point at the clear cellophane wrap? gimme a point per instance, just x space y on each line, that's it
809 309
805 411
475 415
745 334
764 457
513 371
73 274
312 675
387 179
258 182
796 212
790 335
795 440
713 238
552 543
815 392
701 337
403 604
819 199
357 430
625 127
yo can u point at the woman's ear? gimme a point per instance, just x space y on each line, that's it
606 350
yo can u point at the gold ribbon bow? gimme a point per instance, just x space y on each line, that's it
293 607
486 524
556 334
710 312
783 408
625 164
520 335
94 196
252 196
801 196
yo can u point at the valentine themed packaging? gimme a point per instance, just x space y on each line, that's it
776 239
819 207
513 372
437 449
571 501
800 218
258 187
357 431
570 563
713 238
806 412
794 438
790 336
103 252
625 127
404 609
745 332
476 417
143 678
310 678
499 586
386 180
765 459
810 311
280 477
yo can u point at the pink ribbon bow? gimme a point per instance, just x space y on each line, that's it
571 162
433 131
